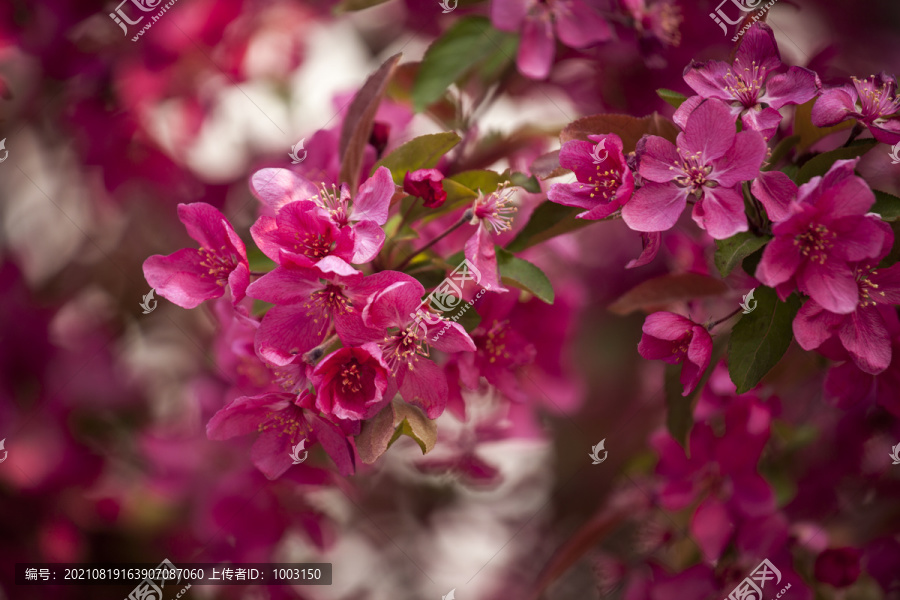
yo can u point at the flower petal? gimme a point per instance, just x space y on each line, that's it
654 207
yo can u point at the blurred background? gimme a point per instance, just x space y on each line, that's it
103 408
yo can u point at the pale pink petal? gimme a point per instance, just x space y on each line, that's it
654 207
480 251
373 199
537 48
277 187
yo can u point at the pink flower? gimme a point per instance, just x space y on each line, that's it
750 85
721 472
426 184
872 101
501 350
350 383
828 229
708 166
404 342
491 213
575 24
282 420
863 333
357 223
309 302
605 182
838 566
675 339
189 277
300 236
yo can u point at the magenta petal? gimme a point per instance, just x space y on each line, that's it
450 337
391 307
507 15
654 207
425 385
813 325
709 132
335 444
271 454
181 279
656 158
687 107
572 194
277 187
780 261
578 25
833 106
831 284
285 286
373 199
721 212
698 357
776 191
866 338
667 326
480 251
712 528
289 330
797 86
708 79
206 225
742 161
537 48
758 49
650 242
886 132
765 121
368 239
244 415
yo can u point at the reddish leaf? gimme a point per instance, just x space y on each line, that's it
630 129
358 124
375 437
659 292
546 166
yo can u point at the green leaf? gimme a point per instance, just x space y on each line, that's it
357 126
471 42
819 165
760 339
730 252
396 419
781 150
522 274
672 97
629 129
750 263
547 221
410 421
662 291
422 152
528 183
479 179
886 205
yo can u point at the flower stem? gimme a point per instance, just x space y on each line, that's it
467 216
854 133
723 319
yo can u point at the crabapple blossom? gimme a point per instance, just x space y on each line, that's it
872 101
675 339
